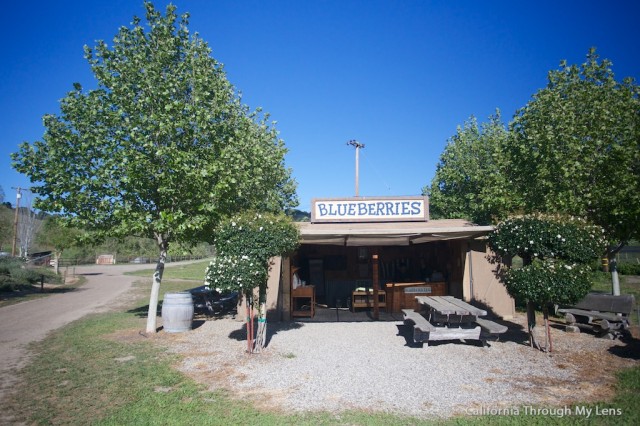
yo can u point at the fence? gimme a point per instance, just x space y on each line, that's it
629 254
64 262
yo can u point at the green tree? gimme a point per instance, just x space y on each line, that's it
245 245
468 183
555 253
163 148
56 235
6 227
575 149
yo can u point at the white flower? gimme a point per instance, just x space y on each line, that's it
531 242
233 224
261 228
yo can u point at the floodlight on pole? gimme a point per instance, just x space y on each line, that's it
357 146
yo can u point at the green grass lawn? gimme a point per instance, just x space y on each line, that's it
102 370
191 271
629 284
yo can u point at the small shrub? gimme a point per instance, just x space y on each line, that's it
629 268
5 283
9 263
22 276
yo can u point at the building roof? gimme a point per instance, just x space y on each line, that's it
389 233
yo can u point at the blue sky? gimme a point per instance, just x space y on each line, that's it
398 76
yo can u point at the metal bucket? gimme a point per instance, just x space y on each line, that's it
177 312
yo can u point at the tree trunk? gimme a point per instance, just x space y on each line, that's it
531 324
163 245
56 259
615 280
261 334
248 297
547 328
613 268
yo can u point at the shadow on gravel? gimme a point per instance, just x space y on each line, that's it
406 331
515 333
272 329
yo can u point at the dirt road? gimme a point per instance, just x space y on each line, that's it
30 321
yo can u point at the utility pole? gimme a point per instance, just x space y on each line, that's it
357 145
15 220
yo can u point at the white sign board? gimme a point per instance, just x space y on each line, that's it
365 209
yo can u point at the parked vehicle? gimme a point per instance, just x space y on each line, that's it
211 302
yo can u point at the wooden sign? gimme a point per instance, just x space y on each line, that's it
365 209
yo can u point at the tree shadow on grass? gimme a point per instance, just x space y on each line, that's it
143 311
25 291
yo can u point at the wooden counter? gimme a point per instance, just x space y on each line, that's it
303 296
403 295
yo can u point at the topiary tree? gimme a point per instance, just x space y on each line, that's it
245 244
555 252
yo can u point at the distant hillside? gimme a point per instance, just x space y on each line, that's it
299 215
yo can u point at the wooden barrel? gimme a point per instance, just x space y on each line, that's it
177 312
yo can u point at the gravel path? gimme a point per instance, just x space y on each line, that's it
372 366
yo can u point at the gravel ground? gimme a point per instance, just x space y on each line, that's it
374 366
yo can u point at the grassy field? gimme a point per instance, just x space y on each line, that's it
191 271
628 284
101 370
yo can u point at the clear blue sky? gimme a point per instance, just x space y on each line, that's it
398 76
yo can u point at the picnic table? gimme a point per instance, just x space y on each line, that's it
449 318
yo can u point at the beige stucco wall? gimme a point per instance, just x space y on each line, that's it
274 290
481 283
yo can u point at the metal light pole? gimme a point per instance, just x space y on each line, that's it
15 221
357 145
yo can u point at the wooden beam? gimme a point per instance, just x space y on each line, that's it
376 285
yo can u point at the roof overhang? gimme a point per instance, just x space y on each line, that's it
389 234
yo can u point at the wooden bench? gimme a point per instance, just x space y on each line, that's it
490 330
421 328
424 331
605 314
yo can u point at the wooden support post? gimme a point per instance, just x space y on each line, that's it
376 286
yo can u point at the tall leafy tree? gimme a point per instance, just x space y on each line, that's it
468 183
59 237
162 148
575 149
